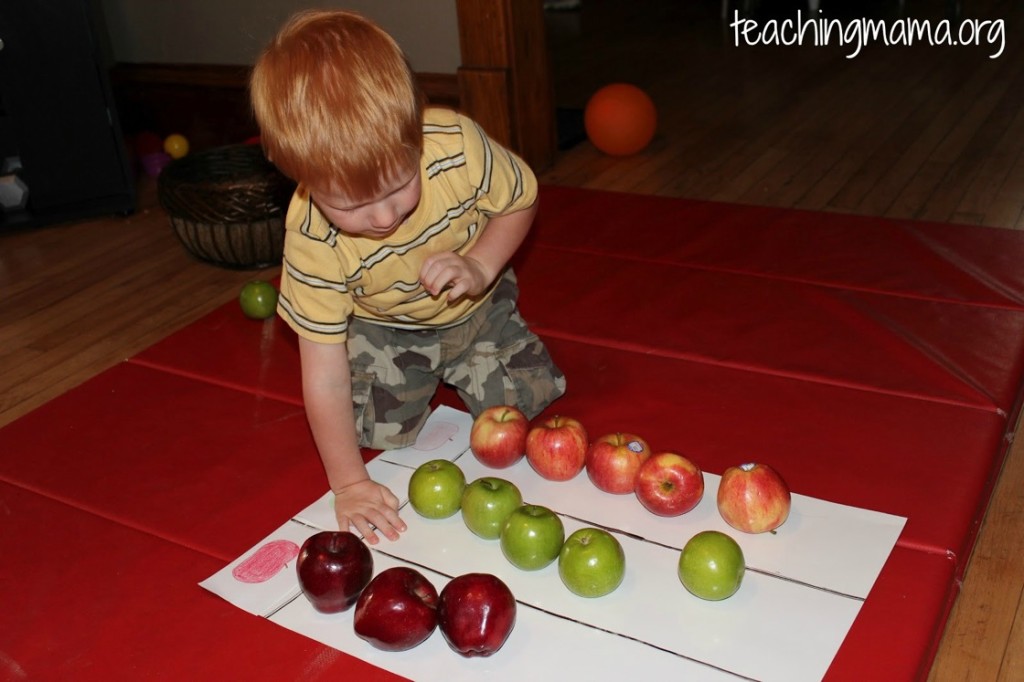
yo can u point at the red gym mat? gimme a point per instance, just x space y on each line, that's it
90 599
859 447
947 352
921 260
205 467
870 450
875 363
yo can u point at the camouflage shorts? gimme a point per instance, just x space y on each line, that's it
492 358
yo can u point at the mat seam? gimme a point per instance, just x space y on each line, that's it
646 350
912 228
1011 306
795 376
118 521
202 378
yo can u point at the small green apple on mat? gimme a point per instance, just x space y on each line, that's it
258 300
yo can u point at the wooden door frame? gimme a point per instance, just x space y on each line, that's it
505 80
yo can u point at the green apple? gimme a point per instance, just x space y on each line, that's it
711 565
592 563
258 299
532 537
486 504
435 489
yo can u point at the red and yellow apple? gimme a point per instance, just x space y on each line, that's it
753 498
669 484
613 460
498 436
556 448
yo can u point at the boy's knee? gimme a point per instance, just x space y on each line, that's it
522 375
390 415
534 382
393 435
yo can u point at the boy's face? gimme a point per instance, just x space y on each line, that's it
376 218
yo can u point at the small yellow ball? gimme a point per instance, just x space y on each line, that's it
176 145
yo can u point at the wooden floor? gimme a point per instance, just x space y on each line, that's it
933 133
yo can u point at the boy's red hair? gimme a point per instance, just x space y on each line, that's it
337 104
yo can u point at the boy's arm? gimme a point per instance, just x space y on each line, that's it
327 392
473 273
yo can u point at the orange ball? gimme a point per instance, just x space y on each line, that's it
620 119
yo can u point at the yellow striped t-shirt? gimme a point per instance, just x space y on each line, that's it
329 276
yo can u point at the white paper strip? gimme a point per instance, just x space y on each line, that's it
803 589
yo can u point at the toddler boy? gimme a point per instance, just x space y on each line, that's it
398 239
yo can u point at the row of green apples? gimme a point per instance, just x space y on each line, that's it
591 561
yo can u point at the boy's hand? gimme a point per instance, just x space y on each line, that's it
464 276
367 506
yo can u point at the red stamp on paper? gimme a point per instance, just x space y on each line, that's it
266 562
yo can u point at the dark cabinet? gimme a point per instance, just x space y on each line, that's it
57 116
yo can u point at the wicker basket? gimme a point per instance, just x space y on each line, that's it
227 205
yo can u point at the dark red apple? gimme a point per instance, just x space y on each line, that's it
397 610
476 613
333 568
